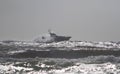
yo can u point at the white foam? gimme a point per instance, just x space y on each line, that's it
12 69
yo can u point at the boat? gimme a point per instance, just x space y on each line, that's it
51 37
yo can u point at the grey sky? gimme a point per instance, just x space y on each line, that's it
89 20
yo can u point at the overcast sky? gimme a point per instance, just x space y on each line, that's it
89 20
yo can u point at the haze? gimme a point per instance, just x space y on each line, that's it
85 20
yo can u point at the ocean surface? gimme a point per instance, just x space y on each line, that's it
66 57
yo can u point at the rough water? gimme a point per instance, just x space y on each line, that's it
66 57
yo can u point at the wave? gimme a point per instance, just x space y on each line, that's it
91 64
65 49
59 58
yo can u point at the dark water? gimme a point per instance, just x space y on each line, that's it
64 54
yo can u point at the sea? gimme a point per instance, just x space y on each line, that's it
65 57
